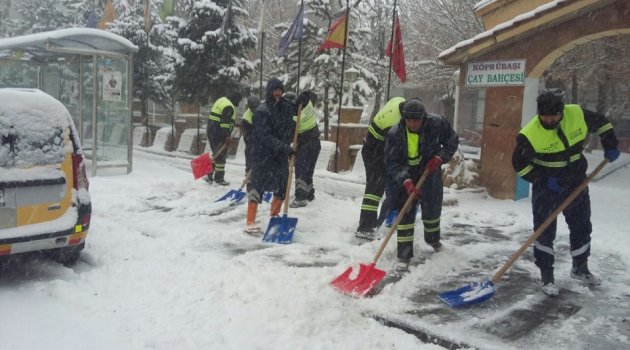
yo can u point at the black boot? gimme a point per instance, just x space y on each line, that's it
580 271
548 283
219 180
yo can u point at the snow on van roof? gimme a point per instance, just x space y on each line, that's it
32 125
25 106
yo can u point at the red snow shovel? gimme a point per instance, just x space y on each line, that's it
361 282
202 165
477 292
281 229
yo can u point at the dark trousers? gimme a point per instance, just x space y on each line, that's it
306 158
431 208
218 161
375 179
577 216
265 178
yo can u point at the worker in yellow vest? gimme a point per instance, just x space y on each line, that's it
219 131
308 148
374 162
420 142
548 154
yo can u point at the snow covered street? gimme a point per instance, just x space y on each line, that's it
167 268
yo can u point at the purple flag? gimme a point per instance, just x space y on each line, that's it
294 32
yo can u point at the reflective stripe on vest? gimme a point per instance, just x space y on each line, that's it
387 117
413 141
546 141
307 118
248 115
217 111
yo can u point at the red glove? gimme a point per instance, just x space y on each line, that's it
411 188
434 163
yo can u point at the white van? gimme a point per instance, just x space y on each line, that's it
44 200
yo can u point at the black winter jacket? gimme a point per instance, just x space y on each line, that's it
273 130
436 138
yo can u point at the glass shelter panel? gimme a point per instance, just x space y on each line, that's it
113 113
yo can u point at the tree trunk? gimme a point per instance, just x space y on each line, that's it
377 105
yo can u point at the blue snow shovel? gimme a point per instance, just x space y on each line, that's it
477 292
281 229
236 195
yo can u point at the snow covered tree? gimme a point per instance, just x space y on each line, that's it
153 61
36 16
444 24
204 70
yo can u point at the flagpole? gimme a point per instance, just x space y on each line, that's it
262 45
391 51
343 64
227 33
300 49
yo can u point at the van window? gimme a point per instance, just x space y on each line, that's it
30 144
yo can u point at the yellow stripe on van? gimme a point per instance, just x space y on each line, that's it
33 214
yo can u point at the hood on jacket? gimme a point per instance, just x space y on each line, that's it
273 84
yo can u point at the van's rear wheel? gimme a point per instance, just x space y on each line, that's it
68 256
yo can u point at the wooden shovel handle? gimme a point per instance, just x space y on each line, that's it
497 276
402 213
292 161
221 150
249 172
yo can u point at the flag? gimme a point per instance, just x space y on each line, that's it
109 15
167 9
147 16
227 21
294 32
336 35
397 53
91 21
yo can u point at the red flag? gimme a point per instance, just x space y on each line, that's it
336 35
398 55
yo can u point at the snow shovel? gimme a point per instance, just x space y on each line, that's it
361 281
202 165
477 292
236 195
281 229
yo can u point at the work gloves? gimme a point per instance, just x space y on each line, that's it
611 154
553 183
433 163
411 188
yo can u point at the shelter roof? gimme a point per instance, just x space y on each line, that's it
70 40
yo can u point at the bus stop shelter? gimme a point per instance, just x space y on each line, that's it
91 72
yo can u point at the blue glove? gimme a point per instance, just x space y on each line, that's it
611 154
554 185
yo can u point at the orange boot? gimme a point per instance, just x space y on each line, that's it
251 227
276 204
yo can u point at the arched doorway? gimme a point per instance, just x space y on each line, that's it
535 32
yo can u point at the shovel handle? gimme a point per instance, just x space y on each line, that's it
497 276
249 172
221 150
401 214
292 161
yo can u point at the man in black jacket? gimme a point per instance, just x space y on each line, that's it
272 136
548 154
419 142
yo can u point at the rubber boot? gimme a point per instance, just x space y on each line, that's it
548 283
580 271
251 228
276 204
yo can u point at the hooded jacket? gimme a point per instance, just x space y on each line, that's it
273 130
